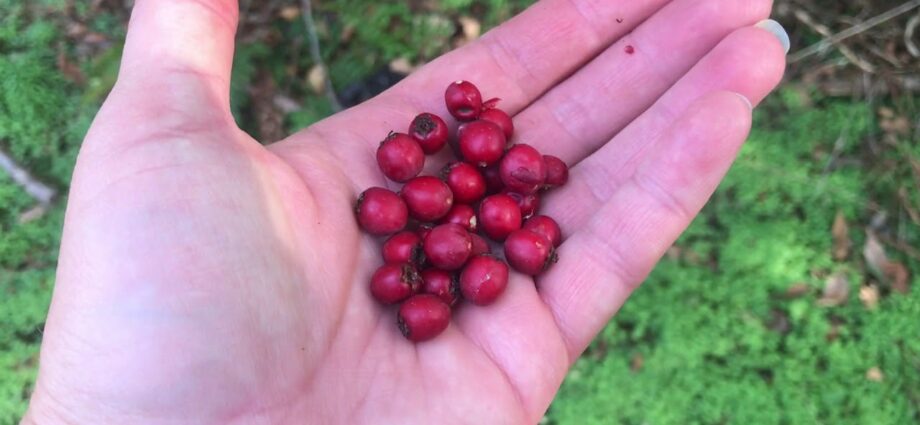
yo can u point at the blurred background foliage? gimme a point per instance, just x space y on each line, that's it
792 299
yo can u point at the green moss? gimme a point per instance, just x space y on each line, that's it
718 343
713 351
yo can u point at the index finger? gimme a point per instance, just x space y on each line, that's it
517 61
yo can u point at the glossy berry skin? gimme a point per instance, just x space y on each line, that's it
480 245
499 118
463 215
448 246
393 283
499 215
465 182
441 284
529 203
403 247
463 100
423 317
400 157
484 279
522 169
493 179
428 198
430 131
482 143
557 173
528 252
546 227
381 212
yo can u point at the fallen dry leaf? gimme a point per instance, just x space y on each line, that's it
891 272
779 322
841 234
316 78
673 253
347 33
269 120
836 290
471 27
289 13
797 290
401 65
898 276
637 362
285 104
875 374
869 296
70 70
874 253
33 213
95 38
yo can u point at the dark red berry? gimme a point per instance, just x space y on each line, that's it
448 246
484 279
428 198
403 247
499 118
499 215
522 169
393 283
481 142
557 173
423 317
546 227
493 179
442 284
465 182
528 252
463 100
529 203
381 212
430 131
480 245
400 157
463 215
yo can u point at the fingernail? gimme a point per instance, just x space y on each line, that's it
777 29
746 100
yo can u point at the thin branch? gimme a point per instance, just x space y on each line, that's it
854 30
822 29
36 189
909 30
313 40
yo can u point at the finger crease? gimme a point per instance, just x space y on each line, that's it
652 186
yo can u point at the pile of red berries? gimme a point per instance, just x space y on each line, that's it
494 190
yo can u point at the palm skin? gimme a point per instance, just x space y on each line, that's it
206 278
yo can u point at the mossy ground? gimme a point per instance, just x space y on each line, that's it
711 338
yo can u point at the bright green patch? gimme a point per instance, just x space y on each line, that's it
719 343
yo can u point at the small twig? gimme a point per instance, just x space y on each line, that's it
854 30
36 189
313 40
912 25
848 53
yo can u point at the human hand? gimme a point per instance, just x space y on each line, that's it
205 278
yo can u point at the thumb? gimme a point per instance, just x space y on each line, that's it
178 54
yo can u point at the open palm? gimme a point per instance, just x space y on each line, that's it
205 278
